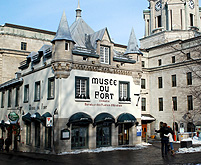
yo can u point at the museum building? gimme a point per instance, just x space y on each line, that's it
79 91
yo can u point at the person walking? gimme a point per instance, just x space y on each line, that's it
169 135
8 142
1 143
164 140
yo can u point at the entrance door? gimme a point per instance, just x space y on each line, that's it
123 134
144 130
103 136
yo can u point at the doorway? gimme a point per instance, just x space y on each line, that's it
123 133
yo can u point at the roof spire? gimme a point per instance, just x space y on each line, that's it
78 11
63 31
132 47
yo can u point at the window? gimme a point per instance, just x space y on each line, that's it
160 82
159 21
2 99
143 64
82 87
188 56
37 91
9 97
23 46
189 78
191 20
143 85
160 100
173 59
51 88
124 91
104 55
159 62
28 133
17 92
26 93
174 102
174 81
143 104
190 102
66 46
37 134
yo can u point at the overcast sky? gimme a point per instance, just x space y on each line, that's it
119 16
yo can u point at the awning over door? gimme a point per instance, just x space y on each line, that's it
27 117
36 117
126 118
104 118
80 118
147 118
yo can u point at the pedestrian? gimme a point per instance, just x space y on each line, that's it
1 143
169 135
164 140
8 142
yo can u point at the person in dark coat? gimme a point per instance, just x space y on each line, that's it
1 144
8 142
164 140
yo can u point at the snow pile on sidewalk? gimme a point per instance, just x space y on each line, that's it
189 150
107 149
195 140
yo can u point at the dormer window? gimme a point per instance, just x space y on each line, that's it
104 55
66 46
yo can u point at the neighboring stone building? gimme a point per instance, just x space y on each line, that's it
171 46
83 82
16 43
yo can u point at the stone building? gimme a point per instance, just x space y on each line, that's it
79 91
171 55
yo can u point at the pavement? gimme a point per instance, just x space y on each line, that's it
149 155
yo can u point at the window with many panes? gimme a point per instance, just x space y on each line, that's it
37 91
51 88
143 104
9 97
17 92
143 84
104 55
189 78
160 101
82 87
174 102
190 102
124 91
26 93
2 99
174 81
160 82
23 46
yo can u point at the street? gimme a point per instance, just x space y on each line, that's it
149 155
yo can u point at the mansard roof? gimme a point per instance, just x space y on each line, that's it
63 32
132 44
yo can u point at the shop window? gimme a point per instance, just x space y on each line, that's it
48 131
174 81
103 135
143 84
104 55
160 82
143 104
81 87
189 78
28 133
26 93
23 46
37 91
51 88
190 102
124 91
174 101
17 93
160 100
37 134
2 99
9 97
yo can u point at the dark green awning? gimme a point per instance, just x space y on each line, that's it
36 117
104 118
80 118
125 118
27 117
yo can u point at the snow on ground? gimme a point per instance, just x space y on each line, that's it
107 149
